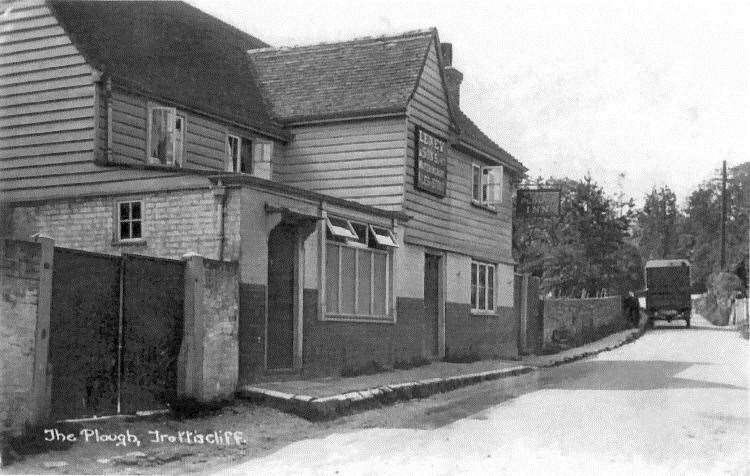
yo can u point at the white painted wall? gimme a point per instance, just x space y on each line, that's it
458 278
409 265
505 285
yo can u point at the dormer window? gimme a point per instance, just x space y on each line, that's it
166 136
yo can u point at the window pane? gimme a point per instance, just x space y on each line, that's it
481 276
124 211
135 229
361 230
490 287
347 280
246 152
178 140
473 274
476 182
161 138
473 286
380 265
124 230
363 293
332 278
135 208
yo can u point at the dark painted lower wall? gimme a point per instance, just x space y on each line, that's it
251 332
330 346
493 335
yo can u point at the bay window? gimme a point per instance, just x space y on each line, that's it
482 287
358 269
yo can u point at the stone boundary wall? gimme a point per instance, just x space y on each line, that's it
569 322
19 292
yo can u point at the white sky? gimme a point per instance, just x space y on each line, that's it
657 90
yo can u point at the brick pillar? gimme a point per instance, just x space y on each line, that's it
41 386
190 360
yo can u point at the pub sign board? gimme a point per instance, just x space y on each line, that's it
430 162
538 202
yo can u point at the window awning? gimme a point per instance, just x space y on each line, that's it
341 228
383 236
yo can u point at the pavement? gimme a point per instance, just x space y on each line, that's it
335 396
675 401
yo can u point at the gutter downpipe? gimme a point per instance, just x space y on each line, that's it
221 190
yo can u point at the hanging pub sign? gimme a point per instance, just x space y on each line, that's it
430 162
538 202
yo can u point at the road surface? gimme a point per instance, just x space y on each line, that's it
673 402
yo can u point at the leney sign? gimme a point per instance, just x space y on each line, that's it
538 202
431 163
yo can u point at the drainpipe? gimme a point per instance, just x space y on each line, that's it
221 192
108 104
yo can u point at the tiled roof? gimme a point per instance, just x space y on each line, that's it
357 77
173 51
473 136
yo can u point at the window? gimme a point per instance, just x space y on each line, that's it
263 151
357 269
482 287
166 136
239 154
130 220
487 185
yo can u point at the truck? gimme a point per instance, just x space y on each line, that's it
668 290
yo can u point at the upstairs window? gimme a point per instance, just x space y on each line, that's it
239 154
358 262
130 220
166 136
482 287
487 185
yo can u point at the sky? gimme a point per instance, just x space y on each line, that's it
636 94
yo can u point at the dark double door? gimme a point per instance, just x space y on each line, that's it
115 333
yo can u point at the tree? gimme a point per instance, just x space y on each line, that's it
700 239
658 225
585 249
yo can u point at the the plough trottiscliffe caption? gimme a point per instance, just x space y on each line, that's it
128 438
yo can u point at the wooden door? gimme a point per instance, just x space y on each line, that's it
281 258
431 301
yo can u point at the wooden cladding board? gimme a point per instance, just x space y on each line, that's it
451 222
361 161
46 103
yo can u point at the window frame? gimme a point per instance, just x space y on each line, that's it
173 118
119 219
359 249
490 292
480 190
233 163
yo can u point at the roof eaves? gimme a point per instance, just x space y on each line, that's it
391 111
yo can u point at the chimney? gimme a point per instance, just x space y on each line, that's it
453 77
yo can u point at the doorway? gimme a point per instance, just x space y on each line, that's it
282 255
432 301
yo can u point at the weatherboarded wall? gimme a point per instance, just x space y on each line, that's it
361 161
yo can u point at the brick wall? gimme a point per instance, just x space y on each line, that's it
575 321
174 223
221 312
19 292
488 335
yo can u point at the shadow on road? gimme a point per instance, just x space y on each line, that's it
610 375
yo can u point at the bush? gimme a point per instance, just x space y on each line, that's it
416 361
371 367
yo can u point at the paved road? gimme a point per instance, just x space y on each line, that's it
673 402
